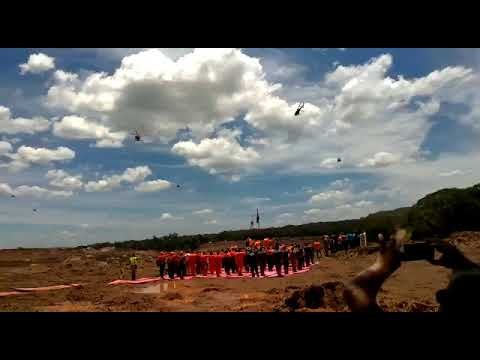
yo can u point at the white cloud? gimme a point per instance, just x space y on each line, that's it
255 200
329 163
5 147
75 127
26 156
108 183
37 63
200 90
340 183
363 203
9 125
5 190
328 195
222 155
203 212
283 218
211 222
61 179
153 185
40 193
453 173
381 159
169 217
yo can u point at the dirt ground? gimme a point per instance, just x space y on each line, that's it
411 288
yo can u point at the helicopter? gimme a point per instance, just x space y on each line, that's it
299 109
136 135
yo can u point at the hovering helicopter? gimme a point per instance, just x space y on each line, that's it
137 135
299 109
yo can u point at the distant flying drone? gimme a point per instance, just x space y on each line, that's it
299 109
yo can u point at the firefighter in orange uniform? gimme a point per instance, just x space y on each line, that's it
212 262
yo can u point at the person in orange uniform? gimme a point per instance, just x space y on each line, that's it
212 261
203 264
218 263
192 263
240 260
233 261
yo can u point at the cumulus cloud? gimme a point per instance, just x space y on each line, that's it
5 147
203 212
5 190
130 175
206 88
25 156
37 63
222 155
9 125
61 179
329 195
40 193
169 217
153 185
283 218
75 127
381 159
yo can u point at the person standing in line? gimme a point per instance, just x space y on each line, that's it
192 263
134 260
182 266
277 255
161 264
226 262
300 258
204 263
211 263
270 259
317 246
306 251
294 257
285 258
363 240
171 264
240 260
262 260
252 261
218 257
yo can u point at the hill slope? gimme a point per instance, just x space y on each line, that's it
437 214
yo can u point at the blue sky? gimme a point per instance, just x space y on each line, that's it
220 123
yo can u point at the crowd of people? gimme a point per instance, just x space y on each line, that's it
255 258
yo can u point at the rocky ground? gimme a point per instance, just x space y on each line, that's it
411 288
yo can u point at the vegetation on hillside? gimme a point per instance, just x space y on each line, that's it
437 214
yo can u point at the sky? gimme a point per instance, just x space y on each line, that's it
220 124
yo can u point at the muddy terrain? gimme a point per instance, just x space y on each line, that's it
411 288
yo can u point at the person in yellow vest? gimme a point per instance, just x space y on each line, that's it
134 265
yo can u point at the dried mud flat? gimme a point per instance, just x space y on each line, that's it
411 288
